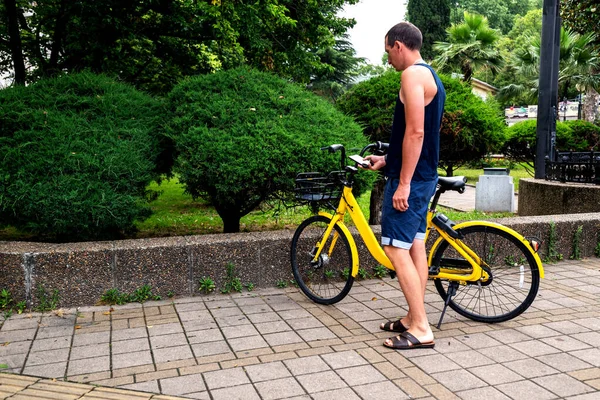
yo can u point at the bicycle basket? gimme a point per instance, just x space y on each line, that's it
316 187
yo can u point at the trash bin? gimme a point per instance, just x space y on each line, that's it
495 191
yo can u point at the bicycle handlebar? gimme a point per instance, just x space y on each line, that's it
378 148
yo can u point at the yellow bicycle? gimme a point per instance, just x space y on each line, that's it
483 270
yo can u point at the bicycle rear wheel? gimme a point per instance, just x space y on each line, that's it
328 279
514 275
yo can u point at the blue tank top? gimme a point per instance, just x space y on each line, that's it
426 169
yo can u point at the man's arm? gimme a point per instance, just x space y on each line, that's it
413 97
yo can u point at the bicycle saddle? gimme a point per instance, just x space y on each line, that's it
456 183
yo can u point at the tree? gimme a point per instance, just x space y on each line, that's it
471 127
579 62
432 17
471 47
155 43
501 14
340 67
243 135
581 16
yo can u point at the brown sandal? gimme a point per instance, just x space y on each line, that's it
406 341
394 326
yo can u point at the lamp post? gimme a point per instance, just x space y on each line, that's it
548 87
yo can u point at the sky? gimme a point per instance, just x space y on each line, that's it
373 19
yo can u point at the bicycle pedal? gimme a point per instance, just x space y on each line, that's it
392 274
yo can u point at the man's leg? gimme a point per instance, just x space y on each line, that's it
412 287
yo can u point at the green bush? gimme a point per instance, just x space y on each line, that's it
521 139
471 127
243 135
76 155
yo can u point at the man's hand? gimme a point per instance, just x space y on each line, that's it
400 199
377 162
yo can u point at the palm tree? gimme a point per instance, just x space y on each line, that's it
471 47
579 63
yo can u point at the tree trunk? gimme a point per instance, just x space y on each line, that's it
231 223
14 34
449 170
590 108
376 201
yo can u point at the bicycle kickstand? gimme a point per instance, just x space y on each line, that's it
451 292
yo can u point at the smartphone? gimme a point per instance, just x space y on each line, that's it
361 161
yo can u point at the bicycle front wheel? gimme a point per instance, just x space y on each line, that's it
514 275
326 279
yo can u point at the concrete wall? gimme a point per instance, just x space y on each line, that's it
82 272
541 197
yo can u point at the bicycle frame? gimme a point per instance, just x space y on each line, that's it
348 204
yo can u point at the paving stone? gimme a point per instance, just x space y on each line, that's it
51 343
525 390
509 336
14 361
534 348
247 343
434 363
450 345
54 331
89 351
54 370
268 371
468 359
264 317
169 340
243 392
360 375
172 354
239 331
225 378
380 390
563 385
180 385
538 331
279 389
344 359
478 340
47 357
487 393
495 374
272 327
126 360
306 365
165 329
9 348
130 346
85 339
89 365
530 368
503 353
148 386
280 338
316 334
563 362
565 343
321 381
458 380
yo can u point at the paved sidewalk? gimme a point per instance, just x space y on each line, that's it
276 344
464 201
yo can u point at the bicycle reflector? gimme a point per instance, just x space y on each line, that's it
534 242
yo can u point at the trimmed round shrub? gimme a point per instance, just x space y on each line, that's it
76 155
243 135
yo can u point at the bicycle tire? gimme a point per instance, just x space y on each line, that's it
329 279
515 275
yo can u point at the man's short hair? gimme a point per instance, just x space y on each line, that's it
405 33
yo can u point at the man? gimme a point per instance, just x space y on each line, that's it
411 173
